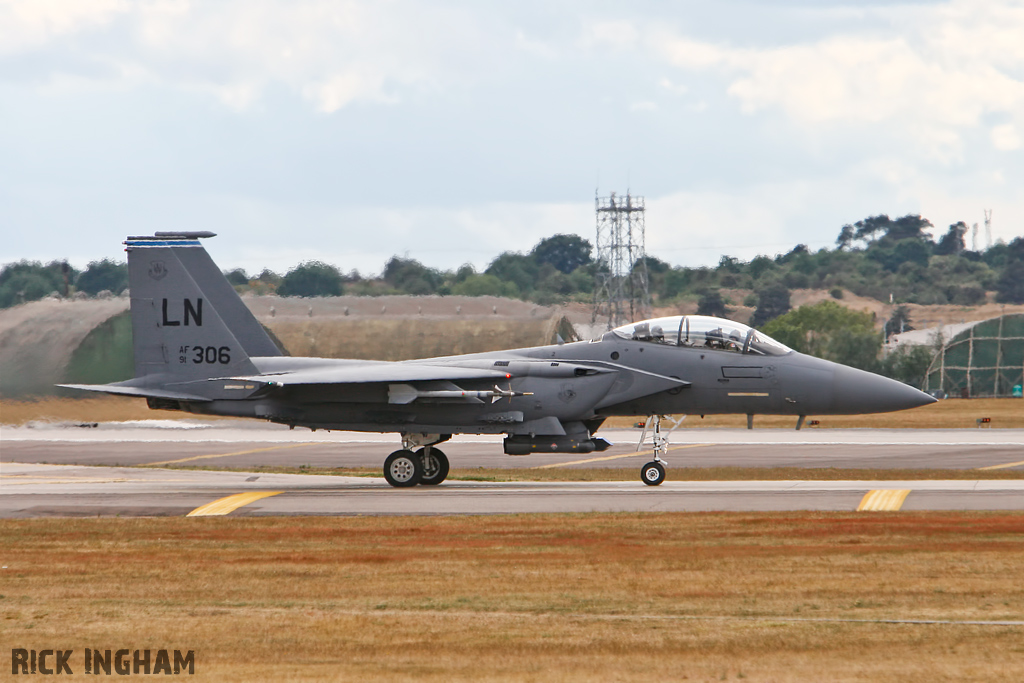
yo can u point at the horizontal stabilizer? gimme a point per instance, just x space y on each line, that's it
135 391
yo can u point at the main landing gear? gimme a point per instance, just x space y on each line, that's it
435 465
427 466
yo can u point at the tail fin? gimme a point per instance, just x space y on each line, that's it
187 319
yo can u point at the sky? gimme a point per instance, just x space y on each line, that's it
450 131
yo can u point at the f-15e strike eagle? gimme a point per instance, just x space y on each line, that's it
199 349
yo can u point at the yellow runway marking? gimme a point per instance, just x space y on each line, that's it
1002 467
226 455
615 457
230 504
883 500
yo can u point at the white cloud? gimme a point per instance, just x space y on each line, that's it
615 34
480 125
646 105
25 25
940 71
364 238
675 88
1005 138
332 53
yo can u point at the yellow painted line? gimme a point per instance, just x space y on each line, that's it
749 393
1002 467
230 504
227 455
615 457
883 500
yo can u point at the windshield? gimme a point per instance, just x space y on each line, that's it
703 332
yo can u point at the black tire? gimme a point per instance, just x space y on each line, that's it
652 473
435 466
403 469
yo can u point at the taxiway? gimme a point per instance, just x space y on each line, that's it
83 470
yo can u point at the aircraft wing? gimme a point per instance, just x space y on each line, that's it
374 372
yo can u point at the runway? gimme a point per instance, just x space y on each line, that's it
68 490
71 470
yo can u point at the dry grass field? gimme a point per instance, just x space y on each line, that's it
1005 413
728 596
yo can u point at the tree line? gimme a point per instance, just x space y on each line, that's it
877 257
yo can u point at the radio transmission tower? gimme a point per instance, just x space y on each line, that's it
621 294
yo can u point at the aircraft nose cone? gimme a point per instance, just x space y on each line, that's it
857 391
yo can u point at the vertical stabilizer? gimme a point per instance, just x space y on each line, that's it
187 319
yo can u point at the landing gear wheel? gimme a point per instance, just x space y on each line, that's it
435 465
652 473
403 468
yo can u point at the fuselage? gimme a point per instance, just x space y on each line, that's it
621 373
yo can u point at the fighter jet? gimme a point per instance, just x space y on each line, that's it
198 349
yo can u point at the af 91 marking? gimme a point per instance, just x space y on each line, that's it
206 354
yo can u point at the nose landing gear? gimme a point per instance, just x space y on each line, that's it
653 473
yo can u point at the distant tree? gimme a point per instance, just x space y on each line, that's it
730 264
997 255
772 301
846 237
966 295
483 285
911 226
908 363
517 268
465 271
582 280
953 241
24 286
892 256
760 265
269 277
831 331
1010 286
237 277
411 276
871 226
564 252
795 252
103 275
311 278
899 322
655 265
31 280
675 281
712 303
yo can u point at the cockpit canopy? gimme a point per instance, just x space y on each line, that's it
704 332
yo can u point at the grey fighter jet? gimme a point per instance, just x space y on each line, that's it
200 350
